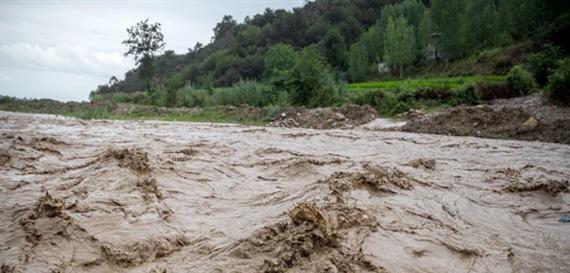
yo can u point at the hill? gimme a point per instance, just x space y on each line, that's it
352 39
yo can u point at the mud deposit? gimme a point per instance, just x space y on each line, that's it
524 118
112 196
345 117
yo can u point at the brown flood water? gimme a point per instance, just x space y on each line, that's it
116 196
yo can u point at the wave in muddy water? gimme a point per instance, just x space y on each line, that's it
116 196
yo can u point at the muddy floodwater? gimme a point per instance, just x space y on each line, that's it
118 196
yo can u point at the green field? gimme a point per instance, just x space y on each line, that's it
447 83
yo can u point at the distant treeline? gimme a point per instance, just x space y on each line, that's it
353 37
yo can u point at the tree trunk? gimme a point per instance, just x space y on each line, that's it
401 71
147 84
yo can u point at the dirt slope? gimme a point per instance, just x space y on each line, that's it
347 116
112 196
524 118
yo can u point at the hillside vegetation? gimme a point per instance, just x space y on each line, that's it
392 55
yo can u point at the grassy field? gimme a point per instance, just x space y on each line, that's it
136 112
448 83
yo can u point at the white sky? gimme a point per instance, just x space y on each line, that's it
64 49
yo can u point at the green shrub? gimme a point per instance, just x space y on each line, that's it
390 105
245 92
366 97
329 93
157 96
465 95
386 103
405 94
521 80
281 99
311 83
400 107
88 114
190 97
541 64
273 111
558 89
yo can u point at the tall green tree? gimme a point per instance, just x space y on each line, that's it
425 32
447 16
357 62
373 43
144 41
279 62
481 24
399 44
335 48
528 15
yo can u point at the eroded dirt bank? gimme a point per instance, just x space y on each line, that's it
112 196
525 118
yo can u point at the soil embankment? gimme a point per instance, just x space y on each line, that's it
345 117
525 118
118 196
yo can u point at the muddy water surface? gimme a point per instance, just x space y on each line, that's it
115 196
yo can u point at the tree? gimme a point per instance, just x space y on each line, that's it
357 62
226 26
279 61
335 48
196 47
481 29
373 42
447 17
425 30
250 35
145 39
399 44
113 80
311 83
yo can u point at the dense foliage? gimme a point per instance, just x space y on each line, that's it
558 88
521 80
307 53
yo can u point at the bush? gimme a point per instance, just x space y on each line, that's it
521 80
558 89
541 64
273 111
329 92
367 97
386 103
88 114
245 92
190 97
463 96
311 83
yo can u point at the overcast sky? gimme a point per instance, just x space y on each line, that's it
64 49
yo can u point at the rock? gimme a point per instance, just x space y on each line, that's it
565 219
412 114
529 125
339 116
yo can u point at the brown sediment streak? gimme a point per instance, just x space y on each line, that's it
185 197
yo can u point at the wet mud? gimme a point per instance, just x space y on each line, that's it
117 196
530 118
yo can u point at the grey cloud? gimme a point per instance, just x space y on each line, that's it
80 41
